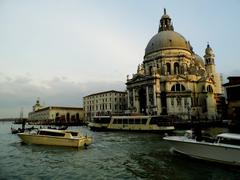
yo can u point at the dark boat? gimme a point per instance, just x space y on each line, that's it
15 131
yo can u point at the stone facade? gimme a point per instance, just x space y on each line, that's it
173 79
104 103
56 114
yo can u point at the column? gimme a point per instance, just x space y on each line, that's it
137 104
147 100
134 101
154 95
128 99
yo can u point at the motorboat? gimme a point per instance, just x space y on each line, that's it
132 123
56 137
225 148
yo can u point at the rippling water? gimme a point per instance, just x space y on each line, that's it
113 155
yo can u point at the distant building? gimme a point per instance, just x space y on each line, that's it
233 98
56 114
104 103
174 80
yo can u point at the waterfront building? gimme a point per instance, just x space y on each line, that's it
56 114
104 103
173 79
232 89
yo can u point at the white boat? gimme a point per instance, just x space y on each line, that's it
132 123
56 137
224 149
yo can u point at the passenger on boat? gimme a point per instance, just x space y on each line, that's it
197 133
23 124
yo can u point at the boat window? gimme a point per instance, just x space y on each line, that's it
115 121
137 121
230 141
131 121
102 120
125 121
74 133
144 121
153 120
160 120
49 133
119 121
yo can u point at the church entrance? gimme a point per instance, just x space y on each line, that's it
164 103
142 100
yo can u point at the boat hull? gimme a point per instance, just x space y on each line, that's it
206 151
55 141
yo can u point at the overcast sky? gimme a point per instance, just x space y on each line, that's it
62 50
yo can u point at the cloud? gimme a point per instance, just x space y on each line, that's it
22 91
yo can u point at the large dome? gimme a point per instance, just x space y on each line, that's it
166 40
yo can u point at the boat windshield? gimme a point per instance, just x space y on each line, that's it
74 133
50 133
228 141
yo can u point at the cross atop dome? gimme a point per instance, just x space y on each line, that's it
165 23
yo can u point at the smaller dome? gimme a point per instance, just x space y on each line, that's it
209 50
198 60
165 16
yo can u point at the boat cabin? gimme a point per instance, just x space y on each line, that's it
229 138
102 119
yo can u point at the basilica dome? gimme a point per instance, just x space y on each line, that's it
166 38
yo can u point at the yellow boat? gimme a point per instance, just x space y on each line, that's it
55 137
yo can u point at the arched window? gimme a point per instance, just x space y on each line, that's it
150 70
168 68
176 68
68 116
77 116
178 87
209 89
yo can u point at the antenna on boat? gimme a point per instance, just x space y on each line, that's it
21 114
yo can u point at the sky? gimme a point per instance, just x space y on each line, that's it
62 50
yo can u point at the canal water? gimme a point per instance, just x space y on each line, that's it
113 155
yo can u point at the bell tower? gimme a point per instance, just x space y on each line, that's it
211 69
210 60
37 106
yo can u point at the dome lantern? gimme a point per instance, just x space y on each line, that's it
165 23
166 38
